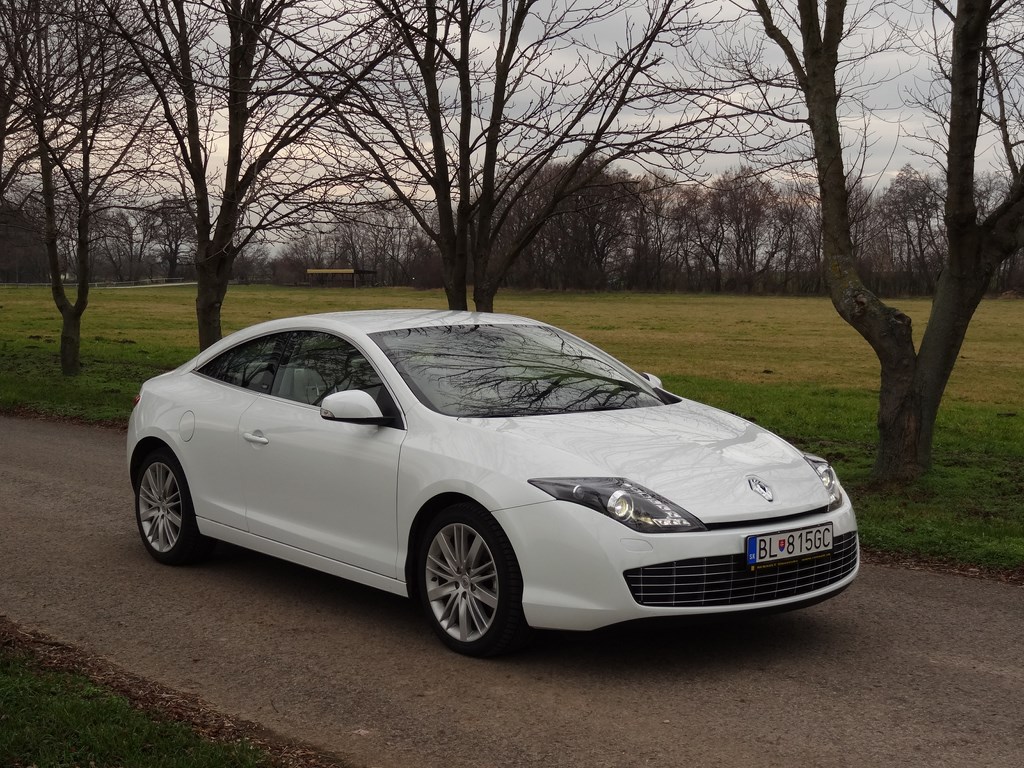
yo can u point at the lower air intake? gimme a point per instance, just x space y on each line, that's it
728 580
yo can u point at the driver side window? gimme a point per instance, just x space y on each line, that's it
319 364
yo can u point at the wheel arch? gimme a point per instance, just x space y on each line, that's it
500 627
142 449
430 509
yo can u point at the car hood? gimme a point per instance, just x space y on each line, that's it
699 457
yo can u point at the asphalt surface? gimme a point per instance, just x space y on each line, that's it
906 668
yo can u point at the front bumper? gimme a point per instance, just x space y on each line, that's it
582 570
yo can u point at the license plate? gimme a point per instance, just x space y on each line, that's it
789 545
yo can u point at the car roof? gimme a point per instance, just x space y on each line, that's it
359 323
375 320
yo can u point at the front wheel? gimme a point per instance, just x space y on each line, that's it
164 512
470 584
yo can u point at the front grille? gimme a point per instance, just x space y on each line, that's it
786 519
728 580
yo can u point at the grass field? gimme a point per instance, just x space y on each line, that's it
788 363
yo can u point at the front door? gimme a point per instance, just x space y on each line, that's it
325 487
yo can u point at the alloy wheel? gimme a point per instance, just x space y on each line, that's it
160 507
462 582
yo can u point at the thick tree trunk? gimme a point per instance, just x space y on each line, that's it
900 415
483 296
209 299
454 275
213 273
956 299
913 383
887 330
899 421
485 279
71 341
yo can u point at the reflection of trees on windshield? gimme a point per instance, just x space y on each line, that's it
504 370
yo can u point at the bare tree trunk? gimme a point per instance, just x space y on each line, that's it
900 419
483 295
71 332
956 299
71 341
71 314
213 275
454 266
886 329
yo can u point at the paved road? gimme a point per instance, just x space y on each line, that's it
904 669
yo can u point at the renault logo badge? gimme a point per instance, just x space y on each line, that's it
760 487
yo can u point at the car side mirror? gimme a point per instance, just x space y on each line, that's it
353 406
653 380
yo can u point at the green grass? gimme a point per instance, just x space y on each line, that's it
790 364
51 719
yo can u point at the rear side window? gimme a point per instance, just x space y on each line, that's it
251 365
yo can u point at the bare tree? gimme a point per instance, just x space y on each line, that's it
252 264
654 249
794 254
584 242
706 236
378 239
753 231
175 235
909 215
81 97
16 147
233 78
483 97
125 239
684 224
978 47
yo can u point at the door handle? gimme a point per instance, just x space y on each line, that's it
255 437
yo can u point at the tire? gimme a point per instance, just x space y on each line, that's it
470 585
164 513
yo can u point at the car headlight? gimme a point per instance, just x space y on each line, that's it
631 504
828 479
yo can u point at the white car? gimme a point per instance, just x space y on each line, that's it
504 473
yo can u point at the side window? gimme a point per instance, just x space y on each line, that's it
319 364
251 365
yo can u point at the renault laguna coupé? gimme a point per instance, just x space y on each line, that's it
504 473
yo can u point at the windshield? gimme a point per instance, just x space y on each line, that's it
510 370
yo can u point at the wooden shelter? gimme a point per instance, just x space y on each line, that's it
340 278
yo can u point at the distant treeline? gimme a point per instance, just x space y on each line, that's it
739 233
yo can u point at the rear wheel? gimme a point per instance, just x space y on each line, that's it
164 512
470 584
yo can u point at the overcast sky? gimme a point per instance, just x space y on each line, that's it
884 86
